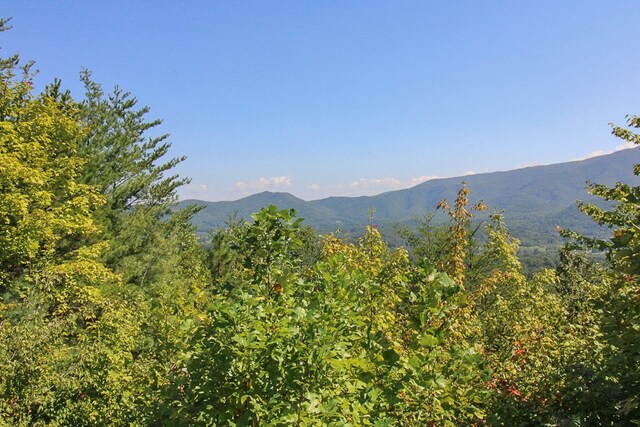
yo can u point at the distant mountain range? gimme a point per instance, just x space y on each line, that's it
535 200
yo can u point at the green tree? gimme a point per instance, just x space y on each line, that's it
129 168
619 375
151 244
67 335
522 326
107 340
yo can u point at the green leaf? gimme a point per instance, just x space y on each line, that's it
428 340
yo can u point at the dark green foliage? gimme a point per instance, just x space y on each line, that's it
122 160
128 166
427 241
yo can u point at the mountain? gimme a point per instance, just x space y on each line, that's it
216 214
535 199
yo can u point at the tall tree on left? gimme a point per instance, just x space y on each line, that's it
53 291
78 344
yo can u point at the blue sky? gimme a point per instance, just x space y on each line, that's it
321 98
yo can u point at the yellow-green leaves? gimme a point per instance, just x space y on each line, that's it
42 206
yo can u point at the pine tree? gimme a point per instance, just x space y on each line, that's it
129 167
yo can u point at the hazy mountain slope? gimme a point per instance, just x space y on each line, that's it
539 189
535 199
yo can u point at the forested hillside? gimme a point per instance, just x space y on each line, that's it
113 313
535 200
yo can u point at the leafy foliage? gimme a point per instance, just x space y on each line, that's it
80 343
65 339
617 376
350 342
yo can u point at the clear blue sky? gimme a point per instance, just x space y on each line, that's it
322 98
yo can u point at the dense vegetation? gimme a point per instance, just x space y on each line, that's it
113 313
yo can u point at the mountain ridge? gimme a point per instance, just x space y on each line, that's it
535 199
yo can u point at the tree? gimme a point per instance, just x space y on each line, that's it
42 205
66 340
7 64
128 167
106 340
618 378
360 338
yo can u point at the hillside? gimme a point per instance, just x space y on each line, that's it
535 199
